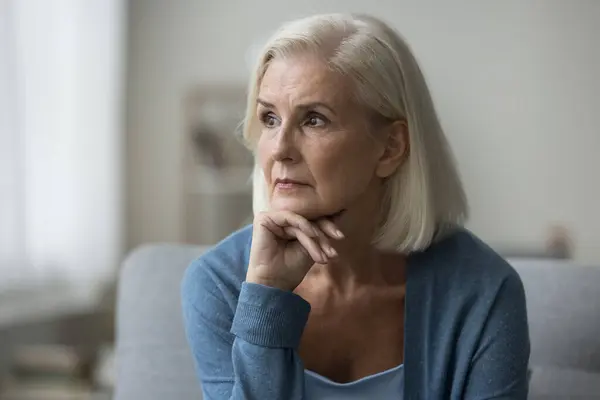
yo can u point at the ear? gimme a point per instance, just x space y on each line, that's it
396 149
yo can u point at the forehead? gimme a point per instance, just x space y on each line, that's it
303 79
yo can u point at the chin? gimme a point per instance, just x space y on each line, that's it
307 209
300 207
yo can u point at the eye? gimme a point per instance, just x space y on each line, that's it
269 120
315 120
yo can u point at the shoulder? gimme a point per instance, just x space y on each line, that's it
467 302
463 271
465 260
467 284
220 271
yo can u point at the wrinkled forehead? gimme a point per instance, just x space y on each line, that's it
293 80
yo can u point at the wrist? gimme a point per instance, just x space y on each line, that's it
274 283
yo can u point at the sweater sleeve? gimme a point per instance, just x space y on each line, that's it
248 351
499 366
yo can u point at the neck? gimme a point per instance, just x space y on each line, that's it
355 269
352 267
359 262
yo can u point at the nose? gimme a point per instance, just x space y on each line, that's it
284 145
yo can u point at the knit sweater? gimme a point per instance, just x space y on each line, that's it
466 333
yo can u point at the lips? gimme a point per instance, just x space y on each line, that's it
286 181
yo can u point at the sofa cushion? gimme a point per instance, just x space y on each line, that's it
563 383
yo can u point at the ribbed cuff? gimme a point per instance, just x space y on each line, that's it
269 317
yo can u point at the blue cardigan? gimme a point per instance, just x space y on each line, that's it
466 334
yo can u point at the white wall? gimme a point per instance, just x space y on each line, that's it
516 85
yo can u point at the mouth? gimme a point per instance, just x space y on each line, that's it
288 183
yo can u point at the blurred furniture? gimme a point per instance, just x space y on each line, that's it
76 317
152 356
154 361
217 193
564 325
49 302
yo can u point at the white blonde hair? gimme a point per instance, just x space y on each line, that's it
424 198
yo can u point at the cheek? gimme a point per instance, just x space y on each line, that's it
346 167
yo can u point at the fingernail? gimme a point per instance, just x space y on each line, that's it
324 257
339 233
330 251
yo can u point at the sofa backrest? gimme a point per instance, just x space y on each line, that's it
154 361
563 303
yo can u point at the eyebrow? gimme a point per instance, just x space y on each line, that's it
305 106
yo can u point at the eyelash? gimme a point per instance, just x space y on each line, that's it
266 116
312 115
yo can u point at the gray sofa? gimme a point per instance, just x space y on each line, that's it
154 363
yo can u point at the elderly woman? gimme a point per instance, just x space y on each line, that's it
356 279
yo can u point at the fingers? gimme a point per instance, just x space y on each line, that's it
310 245
313 236
277 222
329 228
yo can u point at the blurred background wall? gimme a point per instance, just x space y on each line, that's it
515 84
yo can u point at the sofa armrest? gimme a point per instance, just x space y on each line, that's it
152 355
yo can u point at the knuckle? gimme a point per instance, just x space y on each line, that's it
260 219
260 216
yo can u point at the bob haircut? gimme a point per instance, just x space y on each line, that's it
424 198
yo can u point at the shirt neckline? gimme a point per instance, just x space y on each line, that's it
358 381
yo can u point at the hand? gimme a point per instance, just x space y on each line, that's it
286 245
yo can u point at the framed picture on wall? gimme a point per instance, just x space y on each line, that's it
217 166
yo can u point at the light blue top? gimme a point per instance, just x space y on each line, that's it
465 326
385 385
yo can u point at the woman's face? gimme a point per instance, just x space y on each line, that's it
315 150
